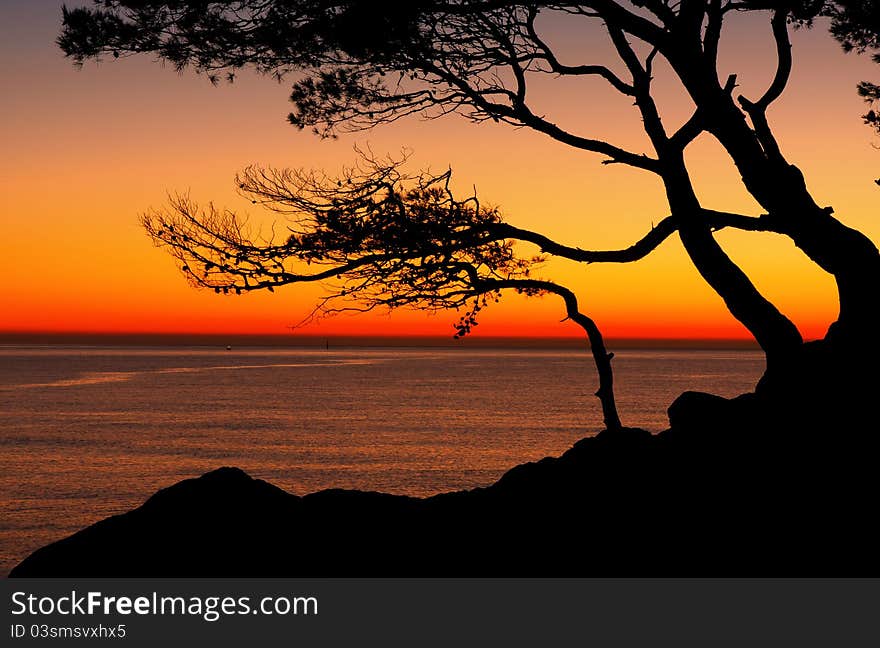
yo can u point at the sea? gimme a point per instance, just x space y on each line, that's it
88 432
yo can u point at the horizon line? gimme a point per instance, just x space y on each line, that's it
106 338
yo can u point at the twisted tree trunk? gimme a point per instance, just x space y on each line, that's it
847 254
832 365
778 337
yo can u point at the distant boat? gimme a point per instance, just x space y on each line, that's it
228 347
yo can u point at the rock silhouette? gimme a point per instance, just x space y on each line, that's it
787 497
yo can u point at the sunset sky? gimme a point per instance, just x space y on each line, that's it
85 151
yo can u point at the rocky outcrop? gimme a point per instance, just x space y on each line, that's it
709 497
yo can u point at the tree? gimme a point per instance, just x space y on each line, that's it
386 239
357 64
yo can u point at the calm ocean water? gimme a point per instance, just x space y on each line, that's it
91 432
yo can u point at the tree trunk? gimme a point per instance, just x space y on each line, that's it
847 254
774 332
827 382
779 187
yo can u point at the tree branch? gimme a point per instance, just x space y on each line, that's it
757 111
601 356
520 112
712 35
689 131
715 220
573 70
632 23
615 153
779 25
642 85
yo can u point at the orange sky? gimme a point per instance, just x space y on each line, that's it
85 151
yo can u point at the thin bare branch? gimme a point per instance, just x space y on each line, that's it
757 111
779 25
573 70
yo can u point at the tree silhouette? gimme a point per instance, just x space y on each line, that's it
356 64
383 238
